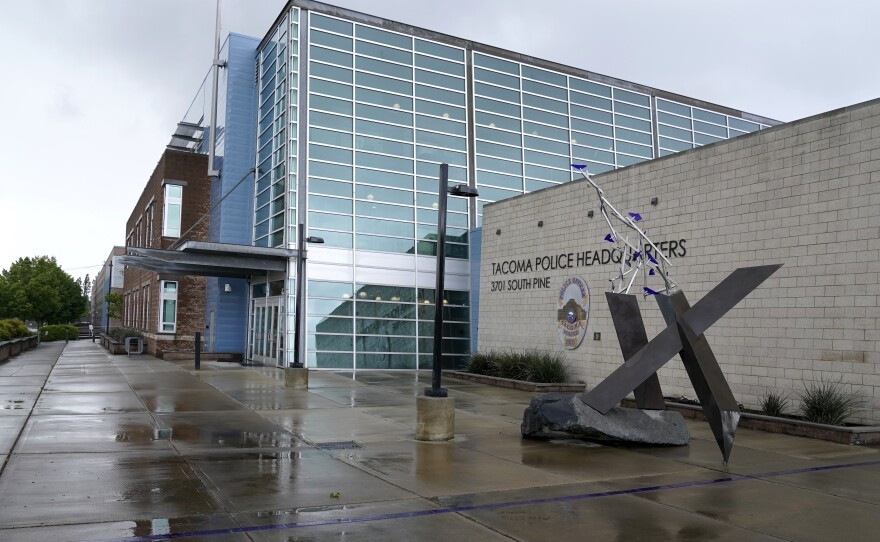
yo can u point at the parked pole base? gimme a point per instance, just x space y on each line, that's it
296 378
435 418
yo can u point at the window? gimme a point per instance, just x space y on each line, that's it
168 306
173 204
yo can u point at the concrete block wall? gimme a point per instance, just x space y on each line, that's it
806 194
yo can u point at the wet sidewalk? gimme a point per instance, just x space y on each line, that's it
86 455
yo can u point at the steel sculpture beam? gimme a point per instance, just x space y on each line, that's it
632 337
683 335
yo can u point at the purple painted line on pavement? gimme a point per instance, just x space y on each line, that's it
488 506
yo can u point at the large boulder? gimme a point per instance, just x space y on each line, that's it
552 414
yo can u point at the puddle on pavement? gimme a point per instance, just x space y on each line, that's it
12 404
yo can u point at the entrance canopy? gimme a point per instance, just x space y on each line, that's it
197 258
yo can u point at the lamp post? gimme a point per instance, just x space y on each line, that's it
462 190
301 241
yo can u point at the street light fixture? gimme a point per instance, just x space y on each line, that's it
300 290
461 190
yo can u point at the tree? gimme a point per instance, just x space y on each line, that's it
114 304
37 289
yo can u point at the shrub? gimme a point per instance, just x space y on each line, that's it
774 404
10 328
119 334
59 332
828 402
531 365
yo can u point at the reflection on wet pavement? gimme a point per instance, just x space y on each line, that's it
104 447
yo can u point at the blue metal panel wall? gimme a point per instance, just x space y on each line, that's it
476 247
231 218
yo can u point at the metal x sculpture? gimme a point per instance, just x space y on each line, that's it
684 336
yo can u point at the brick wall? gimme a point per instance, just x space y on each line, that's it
806 194
189 170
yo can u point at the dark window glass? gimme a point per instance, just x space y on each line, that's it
499 93
441 140
624 160
532 185
334 25
591 114
383 52
592 127
637 137
499 136
325 360
436 64
440 80
330 222
384 310
675 132
546 145
497 121
331 40
384 162
441 125
332 105
496 64
382 210
545 117
542 89
534 128
543 75
719 131
545 173
329 307
333 238
368 127
331 342
374 34
674 145
743 125
334 89
330 121
384 178
320 152
382 98
632 148
545 103
587 154
591 101
387 293
329 137
440 110
375 193
431 154
383 114
440 95
497 179
331 72
372 326
385 244
672 107
632 110
589 86
675 120
632 97
630 122
496 78
384 68
709 116
331 56
702 139
545 159
437 49
492 149
333 188
495 164
336 205
384 227
383 83
327 324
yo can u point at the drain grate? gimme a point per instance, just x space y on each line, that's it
337 445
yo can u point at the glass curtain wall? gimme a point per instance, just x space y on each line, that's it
532 123
384 110
682 127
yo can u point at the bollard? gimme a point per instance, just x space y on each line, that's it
198 350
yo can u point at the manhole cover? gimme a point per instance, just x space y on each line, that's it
339 445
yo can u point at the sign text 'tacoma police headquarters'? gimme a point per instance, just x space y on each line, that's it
564 260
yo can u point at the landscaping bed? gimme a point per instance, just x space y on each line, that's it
855 435
522 385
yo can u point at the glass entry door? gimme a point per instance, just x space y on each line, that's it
266 331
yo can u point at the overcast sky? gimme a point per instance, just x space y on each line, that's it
92 89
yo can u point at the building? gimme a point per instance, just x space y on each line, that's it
804 194
168 307
108 280
350 117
